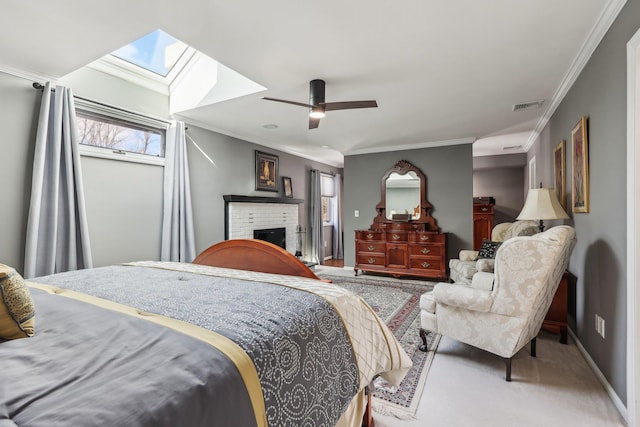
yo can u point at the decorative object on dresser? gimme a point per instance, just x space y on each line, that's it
404 239
482 220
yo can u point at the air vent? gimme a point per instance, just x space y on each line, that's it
528 105
512 147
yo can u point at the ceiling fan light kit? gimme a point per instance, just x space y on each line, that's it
317 105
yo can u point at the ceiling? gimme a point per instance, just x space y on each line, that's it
441 72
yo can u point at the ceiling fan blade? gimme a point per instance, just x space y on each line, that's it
347 105
313 123
301 104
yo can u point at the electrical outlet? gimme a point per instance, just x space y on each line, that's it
356 214
325 243
602 327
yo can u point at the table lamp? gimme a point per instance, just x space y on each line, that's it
541 204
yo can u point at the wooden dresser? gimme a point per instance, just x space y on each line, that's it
402 249
483 219
403 244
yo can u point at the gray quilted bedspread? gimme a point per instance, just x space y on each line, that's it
303 355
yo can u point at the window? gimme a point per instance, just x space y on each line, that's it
118 136
327 191
112 133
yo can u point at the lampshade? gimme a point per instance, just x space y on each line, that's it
542 204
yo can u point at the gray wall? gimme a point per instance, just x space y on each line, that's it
449 190
19 106
599 259
503 184
233 173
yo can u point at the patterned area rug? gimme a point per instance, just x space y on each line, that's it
397 302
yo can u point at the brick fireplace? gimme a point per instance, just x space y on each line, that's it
244 214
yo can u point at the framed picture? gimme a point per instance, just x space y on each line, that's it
559 174
580 167
266 171
288 188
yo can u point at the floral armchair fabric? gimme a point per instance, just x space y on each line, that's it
461 270
501 312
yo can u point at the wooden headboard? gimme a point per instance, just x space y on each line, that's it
254 255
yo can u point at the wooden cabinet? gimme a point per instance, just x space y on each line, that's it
556 318
402 250
483 220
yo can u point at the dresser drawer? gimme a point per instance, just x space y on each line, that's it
434 250
371 259
405 226
369 235
427 237
425 263
397 236
372 246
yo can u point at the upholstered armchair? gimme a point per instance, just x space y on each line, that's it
461 270
501 312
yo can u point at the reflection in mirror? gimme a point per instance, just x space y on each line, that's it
403 195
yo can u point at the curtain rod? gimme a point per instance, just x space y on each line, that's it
40 86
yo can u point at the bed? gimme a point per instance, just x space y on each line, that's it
246 335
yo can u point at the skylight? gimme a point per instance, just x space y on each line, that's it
162 63
157 52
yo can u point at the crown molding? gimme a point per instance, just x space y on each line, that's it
28 75
432 144
597 33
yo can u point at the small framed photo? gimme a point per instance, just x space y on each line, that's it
266 171
287 186
559 173
580 167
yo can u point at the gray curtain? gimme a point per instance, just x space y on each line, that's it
178 237
338 252
57 231
315 219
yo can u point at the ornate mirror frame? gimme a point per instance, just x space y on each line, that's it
402 168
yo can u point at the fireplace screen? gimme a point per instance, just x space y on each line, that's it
277 236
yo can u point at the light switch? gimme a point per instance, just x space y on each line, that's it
356 213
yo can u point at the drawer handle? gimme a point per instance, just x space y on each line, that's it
423 238
425 264
425 251
371 247
372 260
369 236
395 237
484 209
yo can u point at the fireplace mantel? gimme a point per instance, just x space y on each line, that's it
228 198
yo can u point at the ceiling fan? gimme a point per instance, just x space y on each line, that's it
317 106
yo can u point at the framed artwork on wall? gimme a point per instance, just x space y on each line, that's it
580 167
266 171
287 186
559 173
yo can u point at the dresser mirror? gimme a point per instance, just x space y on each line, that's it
403 198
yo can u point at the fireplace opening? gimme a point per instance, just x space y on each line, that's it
277 236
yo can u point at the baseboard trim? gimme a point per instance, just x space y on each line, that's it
622 409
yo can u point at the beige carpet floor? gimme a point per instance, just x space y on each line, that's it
466 387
